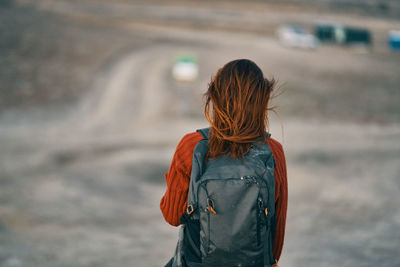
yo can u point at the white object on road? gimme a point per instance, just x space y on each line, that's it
297 37
185 69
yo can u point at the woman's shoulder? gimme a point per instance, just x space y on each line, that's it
276 148
274 144
191 138
184 151
188 142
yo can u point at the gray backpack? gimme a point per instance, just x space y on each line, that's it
231 207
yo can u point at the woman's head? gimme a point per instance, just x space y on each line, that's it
236 107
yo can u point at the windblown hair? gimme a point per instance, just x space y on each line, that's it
236 106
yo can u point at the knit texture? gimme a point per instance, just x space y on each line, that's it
174 201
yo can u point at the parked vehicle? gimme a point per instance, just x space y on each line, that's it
329 32
357 36
394 40
296 36
185 69
336 33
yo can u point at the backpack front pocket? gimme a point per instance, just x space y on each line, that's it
230 221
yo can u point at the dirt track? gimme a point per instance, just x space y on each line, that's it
81 182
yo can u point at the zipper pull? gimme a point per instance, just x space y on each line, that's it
260 203
210 207
261 207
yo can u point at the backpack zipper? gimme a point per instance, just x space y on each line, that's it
259 216
248 179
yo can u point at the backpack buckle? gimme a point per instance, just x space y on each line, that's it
189 209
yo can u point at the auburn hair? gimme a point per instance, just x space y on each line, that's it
236 106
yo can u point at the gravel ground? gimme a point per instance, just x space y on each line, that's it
84 152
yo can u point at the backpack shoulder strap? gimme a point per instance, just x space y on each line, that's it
204 132
198 166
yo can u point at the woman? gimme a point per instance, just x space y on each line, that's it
237 110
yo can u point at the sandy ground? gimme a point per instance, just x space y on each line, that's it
81 182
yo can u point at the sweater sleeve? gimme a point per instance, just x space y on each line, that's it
174 201
281 195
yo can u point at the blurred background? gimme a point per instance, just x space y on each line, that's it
96 94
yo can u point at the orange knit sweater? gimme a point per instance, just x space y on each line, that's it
174 201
